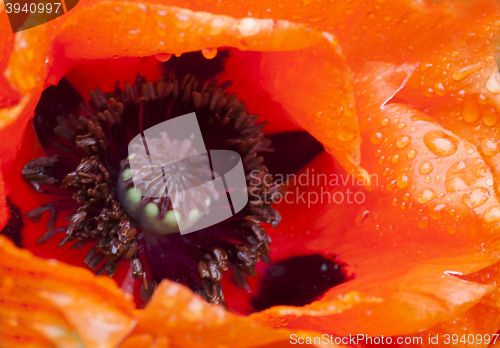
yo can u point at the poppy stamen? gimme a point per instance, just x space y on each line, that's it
137 223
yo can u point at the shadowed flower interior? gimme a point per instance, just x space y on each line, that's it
88 167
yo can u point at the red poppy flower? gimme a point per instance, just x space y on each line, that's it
401 95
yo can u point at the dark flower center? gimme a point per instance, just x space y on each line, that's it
90 165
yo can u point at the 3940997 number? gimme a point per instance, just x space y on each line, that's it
470 339
33 7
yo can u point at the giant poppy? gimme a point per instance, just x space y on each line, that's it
401 95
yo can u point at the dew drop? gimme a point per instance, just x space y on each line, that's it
403 141
402 125
490 117
163 57
455 184
437 178
424 223
489 147
470 111
440 143
403 181
426 194
425 66
493 85
462 73
469 149
317 18
476 198
426 167
427 179
395 159
481 99
439 89
345 134
452 229
376 138
183 20
436 212
457 177
412 154
385 122
161 29
492 215
209 53
132 34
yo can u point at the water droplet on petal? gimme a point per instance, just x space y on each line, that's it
424 223
209 53
439 89
493 85
458 177
481 99
183 19
412 154
395 159
455 184
385 122
403 141
345 134
403 181
462 73
426 194
436 212
163 57
470 111
440 143
426 167
316 18
376 138
490 117
492 215
469 149
452 229
489 147
132 34
476 198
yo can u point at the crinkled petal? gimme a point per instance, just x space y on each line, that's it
176 317
47 303
317 96
442 192
39 58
